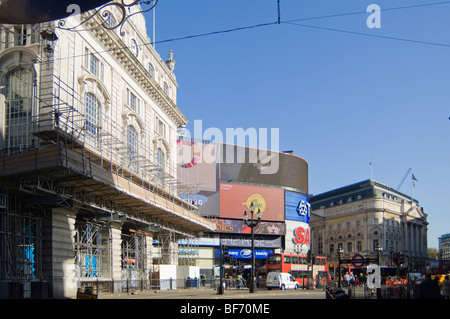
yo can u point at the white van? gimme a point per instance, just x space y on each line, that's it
281 280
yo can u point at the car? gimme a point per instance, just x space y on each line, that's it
281 281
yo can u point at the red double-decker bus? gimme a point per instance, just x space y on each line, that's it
297 266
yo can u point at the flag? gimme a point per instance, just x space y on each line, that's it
414 179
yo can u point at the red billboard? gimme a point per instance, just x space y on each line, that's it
237 198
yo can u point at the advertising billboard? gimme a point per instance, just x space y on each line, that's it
237 198
236 226
247 253
298 237
196 166
297 207
292 171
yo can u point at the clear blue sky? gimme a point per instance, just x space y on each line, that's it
338 98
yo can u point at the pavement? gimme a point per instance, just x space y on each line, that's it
209 293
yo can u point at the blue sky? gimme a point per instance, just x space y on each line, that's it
339 98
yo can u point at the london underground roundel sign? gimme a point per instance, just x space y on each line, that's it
358 260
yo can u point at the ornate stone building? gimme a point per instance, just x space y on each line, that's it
88 183
362 216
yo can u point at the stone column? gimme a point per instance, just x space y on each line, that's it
58 253
116 255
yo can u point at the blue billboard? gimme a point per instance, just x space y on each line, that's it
246 253
297 207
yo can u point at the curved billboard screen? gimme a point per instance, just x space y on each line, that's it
237 198
243 165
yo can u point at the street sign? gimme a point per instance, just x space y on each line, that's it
358 261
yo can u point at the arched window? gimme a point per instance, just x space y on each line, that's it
18 110
132 140
93 116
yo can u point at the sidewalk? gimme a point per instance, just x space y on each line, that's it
210 293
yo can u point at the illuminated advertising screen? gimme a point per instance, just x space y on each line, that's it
297 207
292 171
196 167
237 198
237 226
247 253
298 237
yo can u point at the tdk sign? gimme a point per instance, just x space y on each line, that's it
304 208
297 207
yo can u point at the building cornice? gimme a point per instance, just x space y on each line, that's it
114 44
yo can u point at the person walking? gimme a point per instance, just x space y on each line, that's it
445 288
428 289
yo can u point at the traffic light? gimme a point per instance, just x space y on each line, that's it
401 258
395 258
308 257
225 254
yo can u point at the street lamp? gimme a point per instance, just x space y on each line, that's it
340 251
378 249
252 224
49 38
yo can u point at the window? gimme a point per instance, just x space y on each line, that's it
111 22
358 246
133 102
92 123
274 259
20 34
160 162
93 64
375 244
287 259
132 140
18 109
166 88
151 70
160 127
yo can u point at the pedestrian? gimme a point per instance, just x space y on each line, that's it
203 278
428 289
352 279
347 279
445 288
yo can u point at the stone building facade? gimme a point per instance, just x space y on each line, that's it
362 216
88 183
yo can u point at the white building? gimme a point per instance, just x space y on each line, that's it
362 216
88 164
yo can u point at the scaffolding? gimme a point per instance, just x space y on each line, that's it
20 240
72 160
134 261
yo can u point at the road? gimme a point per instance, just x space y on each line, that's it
208 293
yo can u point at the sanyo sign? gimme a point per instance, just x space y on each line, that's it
297 216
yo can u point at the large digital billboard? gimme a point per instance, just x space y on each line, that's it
237 226
243 165
297 207
237 198
196 167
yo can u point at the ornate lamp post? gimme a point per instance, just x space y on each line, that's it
49 38
252 224
378 249
340 251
